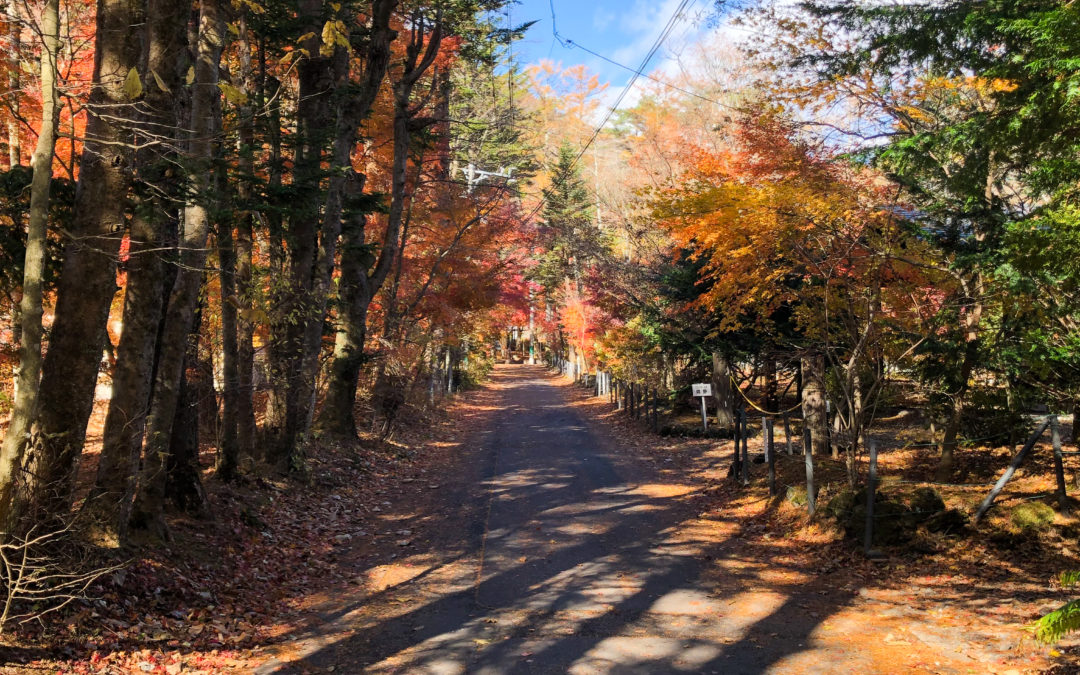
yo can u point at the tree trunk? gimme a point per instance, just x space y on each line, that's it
336 417
316 85
30 306
14 83
769 376
148 510
228 430
351 112
813 401
183 483
237 330
722 391
341 389
245 289
87 281
972 325
275 402
229 449
153 229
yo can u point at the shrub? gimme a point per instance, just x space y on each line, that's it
1032 517
926 503
796 494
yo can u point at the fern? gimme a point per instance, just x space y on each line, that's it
1055 625
1063 620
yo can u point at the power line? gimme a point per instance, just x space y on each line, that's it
668 27
572 45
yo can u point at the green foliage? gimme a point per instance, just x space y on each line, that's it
981 105
489 124
1069 579
1057 624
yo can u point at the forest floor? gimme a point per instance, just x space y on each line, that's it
621 552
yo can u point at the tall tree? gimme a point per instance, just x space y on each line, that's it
148 510
362 282
973 100
40 485
148 270
30 306
568 233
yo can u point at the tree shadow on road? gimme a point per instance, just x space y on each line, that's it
577 567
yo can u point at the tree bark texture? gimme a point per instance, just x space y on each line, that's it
184 298
14 84
317 83
153 238
813 401
183 484
723 393
88 277
362 285
350 112
30 305
245 239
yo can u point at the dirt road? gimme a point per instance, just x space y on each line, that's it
551 550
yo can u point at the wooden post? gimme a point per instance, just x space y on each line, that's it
736 436
655 412
1059 467
871 488
745 448
704 417
787 432
764 439
770 456
808 451
1013 466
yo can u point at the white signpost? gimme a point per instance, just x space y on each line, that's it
701 391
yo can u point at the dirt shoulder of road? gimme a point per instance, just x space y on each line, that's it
962 602
231 588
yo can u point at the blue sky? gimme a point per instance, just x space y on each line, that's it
622 30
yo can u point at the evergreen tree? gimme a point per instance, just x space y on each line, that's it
571 240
